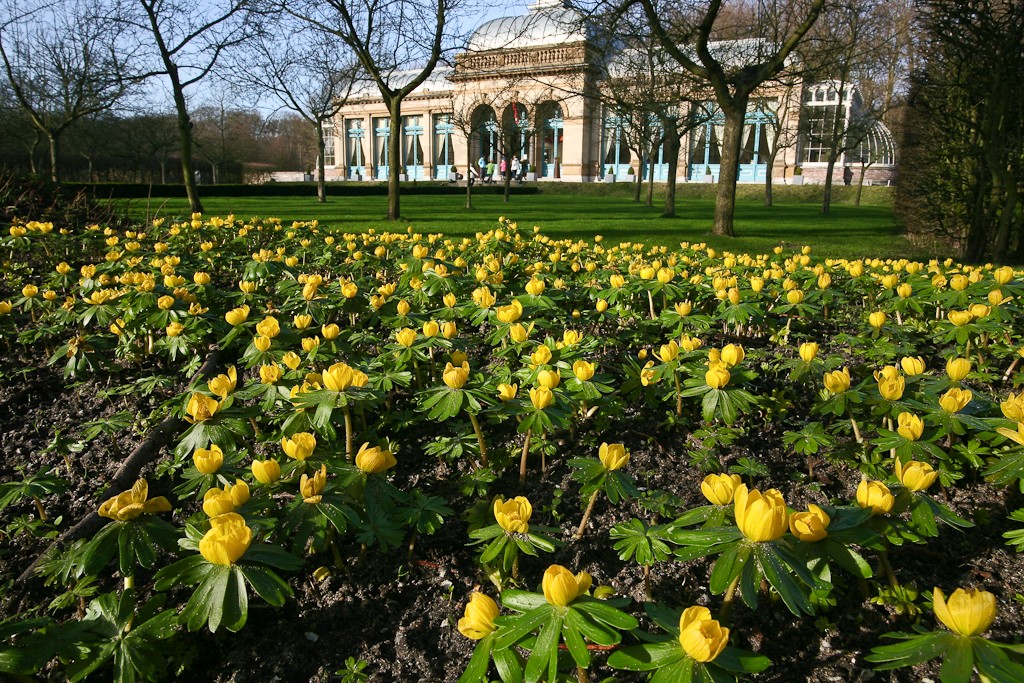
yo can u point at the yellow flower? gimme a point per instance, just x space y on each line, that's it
262 344
518 333
689 344
613 456
406 337
431 329
794 296
668 352
456 376
877 319
483 298
959 318
683 308
904 291
292 360
330 331
174 329
1013 407
449 300
201 408
702 637
718 376
957 368
601 305
478 621
403 307
720 488
513 515
238 492
312 488
266 471
165 302
808 351
583 370
967 612
300 446
208 460
301 321
910 426
132 503
915 475
374 460
507 392
217 502
838 381
222 385
449 330
958 283
760 516
912 366
541 397
733 354
875 496
270 374
890 385
226 541
571 338
955 400
810 526
268 327
338 377
535 287
237 316
548 378
1017 435
541 356
561 586
510 313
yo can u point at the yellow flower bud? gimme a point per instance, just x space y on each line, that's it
583 370
955 400
541 356
668 352
208 460
966 613
266 471
535 287
201 408
733 354
449 330
478 621
690 344
760 516
513 515
302 321
958 283
960 318
875 496
912 366
374 460
338 377
406 337
237 316
958 368
292 360
561 586
877 319
613 456
915 475
810 526
299 446
226 541
701 637
330 331
541 397
720 488
795 296
312 488
1013 407
837 381
431 329
456 376
268 327
174 329
601 305
910 426
718 376
548 378
507 392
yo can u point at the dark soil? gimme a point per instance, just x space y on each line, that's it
398 614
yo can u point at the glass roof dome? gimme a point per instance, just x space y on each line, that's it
549 22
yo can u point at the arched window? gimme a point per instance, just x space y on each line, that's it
444 152
552 127
484 141
355 154
515 123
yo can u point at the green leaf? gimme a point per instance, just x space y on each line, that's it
519 627
544 657
780 579
913 650
604 612
728 566
522 601
509 665
994 664
476 670
846 557
958 662
573 640
268 585
647 657
741 661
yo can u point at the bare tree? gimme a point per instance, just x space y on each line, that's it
303 70
387 38
187 40
781 118
63 63
224 134
734 48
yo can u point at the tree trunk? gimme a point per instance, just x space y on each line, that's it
394 160
508 183
732 136
185 135
672 151
321 180
860 184
768 186
826 199
469 176
650 184
54 139
639 177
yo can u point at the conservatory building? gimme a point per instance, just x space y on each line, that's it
530 87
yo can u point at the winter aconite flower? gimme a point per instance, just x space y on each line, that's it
810 526
541 397
456 376
912 365
132 503
208 460
513 515
958 368
967 612
478 621
838 381
507 392
227 540
720 488
201 408
613 456
702 637
374 460
808 351
224 384
875 496
312 488
717 377
955 400
909 426
760 516
299 446
266 471
915 475
561 586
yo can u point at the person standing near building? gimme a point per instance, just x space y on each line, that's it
524 167
489 171
513 169
503 167
481 164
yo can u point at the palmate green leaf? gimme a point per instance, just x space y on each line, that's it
728 566
648 657
913 650
640 542
958 661
517 628
992 661
846 557
781 580
206 606
603 612
544 658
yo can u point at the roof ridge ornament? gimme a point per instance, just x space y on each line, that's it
541 5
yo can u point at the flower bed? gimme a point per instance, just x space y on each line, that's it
430 459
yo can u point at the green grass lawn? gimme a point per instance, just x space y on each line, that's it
582 211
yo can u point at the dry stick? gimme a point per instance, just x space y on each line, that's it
144 453
586 515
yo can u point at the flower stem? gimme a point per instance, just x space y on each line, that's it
39 508
679 395
586 515
479 439
856 428
883 560
522 460
348 433
581 675
730 593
